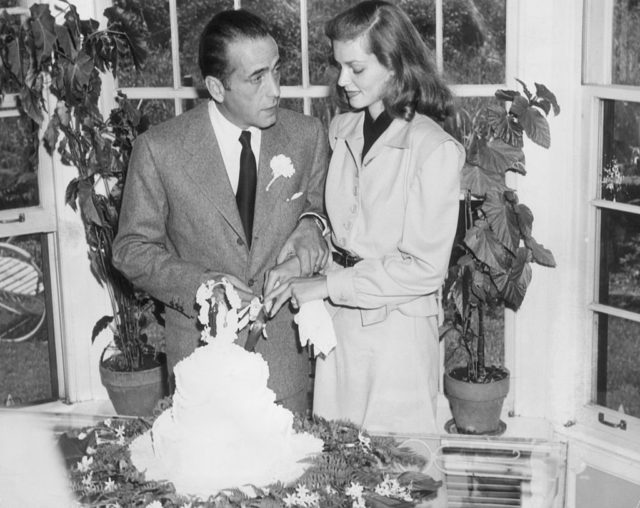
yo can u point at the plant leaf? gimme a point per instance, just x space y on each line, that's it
500 156
504 127
479 181
43 30
517 280
134 31
502 219
540 254
545 95
525 219
524 88
506 95
100 325
535 125
485 246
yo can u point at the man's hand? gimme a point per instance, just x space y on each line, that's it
307 243
244 292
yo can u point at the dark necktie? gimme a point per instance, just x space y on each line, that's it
246 195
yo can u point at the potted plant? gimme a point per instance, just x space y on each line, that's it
491 262
39 56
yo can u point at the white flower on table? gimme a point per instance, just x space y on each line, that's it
281 166
355 492
85 464
109 485
303 498
391 488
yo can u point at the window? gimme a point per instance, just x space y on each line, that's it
612 92
28 344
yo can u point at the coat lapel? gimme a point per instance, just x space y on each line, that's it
351 132
206 169
274 142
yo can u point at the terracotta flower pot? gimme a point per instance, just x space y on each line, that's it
476 407
135 393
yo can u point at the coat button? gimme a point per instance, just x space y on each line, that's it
240 242
251 282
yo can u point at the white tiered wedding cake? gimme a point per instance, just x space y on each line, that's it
224 429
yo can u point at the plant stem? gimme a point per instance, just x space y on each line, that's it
480 344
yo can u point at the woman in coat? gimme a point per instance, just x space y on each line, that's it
392 196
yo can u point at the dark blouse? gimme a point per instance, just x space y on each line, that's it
373 129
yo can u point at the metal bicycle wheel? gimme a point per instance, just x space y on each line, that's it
22 306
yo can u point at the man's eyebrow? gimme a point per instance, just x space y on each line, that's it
262 70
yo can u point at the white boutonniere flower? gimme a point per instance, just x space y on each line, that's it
281 165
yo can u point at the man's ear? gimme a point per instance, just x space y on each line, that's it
215 87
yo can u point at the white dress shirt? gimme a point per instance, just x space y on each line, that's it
228 136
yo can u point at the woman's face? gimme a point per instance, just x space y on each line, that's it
363 78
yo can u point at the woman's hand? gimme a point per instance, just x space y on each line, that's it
281 273
299 289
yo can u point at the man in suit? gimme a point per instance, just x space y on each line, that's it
186 217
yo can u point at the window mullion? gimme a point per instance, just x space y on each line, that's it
439 36
304 53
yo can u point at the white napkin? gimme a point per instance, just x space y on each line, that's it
316 327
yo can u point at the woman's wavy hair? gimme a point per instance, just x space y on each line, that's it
394 40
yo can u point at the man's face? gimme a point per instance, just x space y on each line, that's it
252 89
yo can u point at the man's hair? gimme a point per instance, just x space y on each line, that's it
394 40
225 28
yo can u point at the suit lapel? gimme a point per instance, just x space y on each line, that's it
205 167
274 142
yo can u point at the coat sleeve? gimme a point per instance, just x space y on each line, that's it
318 173
419 264
142 250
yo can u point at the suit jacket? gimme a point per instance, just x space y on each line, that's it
179 222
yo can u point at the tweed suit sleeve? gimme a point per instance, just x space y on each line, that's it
318 171
142 250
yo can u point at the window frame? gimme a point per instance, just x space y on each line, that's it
597 87
42 220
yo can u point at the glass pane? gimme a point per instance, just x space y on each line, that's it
620 175
421 12
620 260
324 109
18 162
626 42
192 18
474 41
157 110
27 359
283 19
618 372
158 67
293 104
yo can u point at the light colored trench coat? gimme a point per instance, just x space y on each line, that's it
398 210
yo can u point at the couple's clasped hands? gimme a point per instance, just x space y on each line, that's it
295 277
304 254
